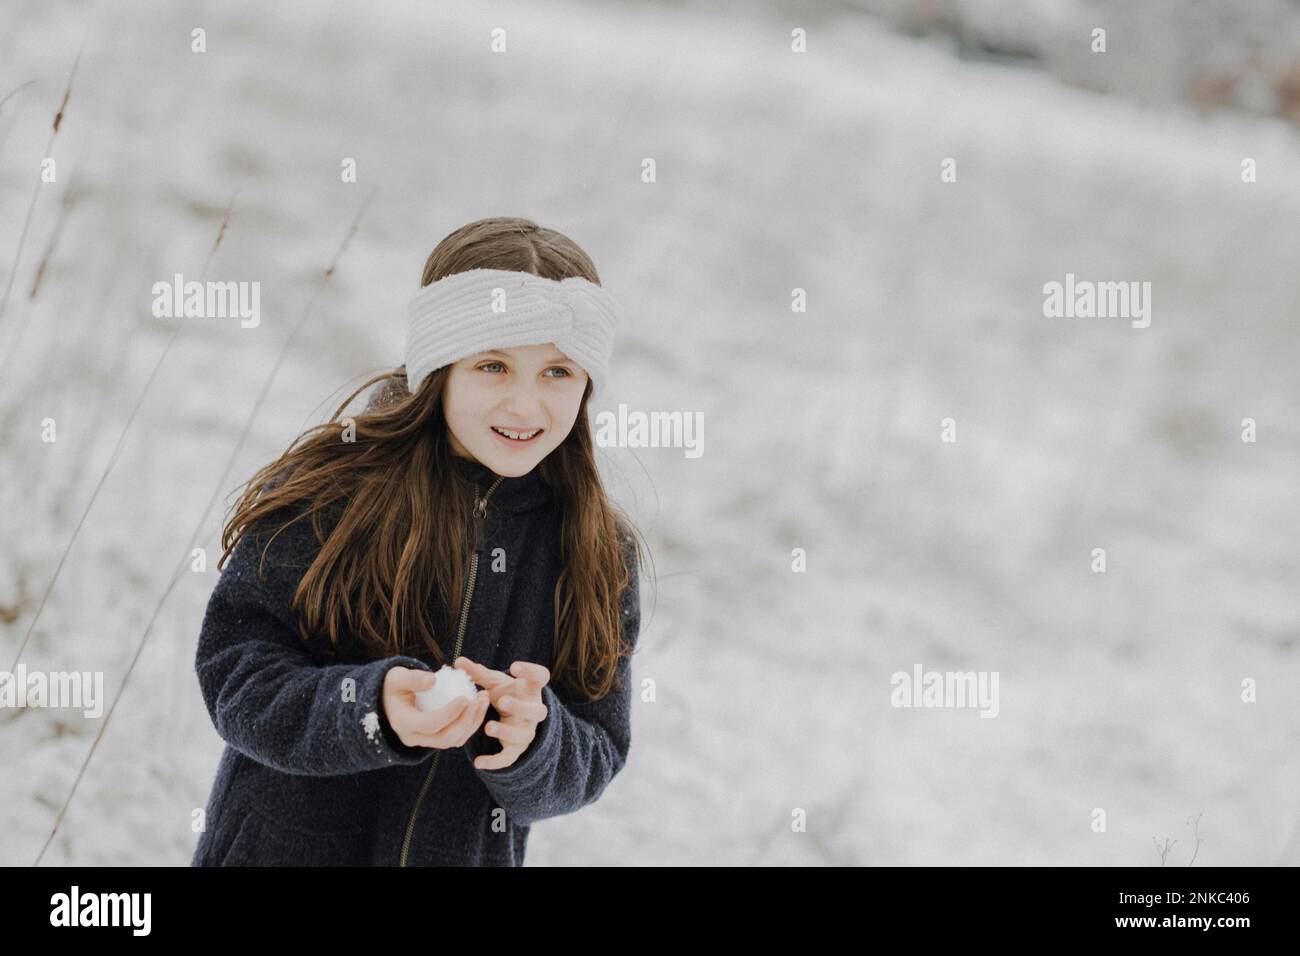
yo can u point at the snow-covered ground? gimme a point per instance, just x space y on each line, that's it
776 170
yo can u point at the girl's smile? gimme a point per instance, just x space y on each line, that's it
516 436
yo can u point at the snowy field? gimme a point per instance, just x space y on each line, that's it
820 171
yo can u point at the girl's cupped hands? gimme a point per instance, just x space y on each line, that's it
449 726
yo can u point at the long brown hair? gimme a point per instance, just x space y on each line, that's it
400 511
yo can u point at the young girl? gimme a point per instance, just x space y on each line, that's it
459 520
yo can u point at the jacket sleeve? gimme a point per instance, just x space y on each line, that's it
268 698
578 748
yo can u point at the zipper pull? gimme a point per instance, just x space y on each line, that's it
480 510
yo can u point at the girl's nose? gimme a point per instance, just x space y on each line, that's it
523 403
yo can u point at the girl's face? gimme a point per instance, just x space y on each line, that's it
531 390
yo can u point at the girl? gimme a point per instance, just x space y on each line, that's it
459 520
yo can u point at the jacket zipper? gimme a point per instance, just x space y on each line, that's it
480 512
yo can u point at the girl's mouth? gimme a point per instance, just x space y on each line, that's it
515 438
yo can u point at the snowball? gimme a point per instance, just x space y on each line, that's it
449 683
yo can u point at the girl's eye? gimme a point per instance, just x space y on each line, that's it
554 368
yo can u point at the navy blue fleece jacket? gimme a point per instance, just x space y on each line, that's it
312 773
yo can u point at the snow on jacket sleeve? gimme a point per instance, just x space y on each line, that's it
268 698
577 749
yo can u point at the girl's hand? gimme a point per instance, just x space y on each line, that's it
518 699
448 726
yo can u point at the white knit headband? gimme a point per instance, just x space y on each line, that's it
471 312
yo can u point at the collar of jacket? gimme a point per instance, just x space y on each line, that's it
513 495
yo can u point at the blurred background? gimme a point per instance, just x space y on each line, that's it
775 170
